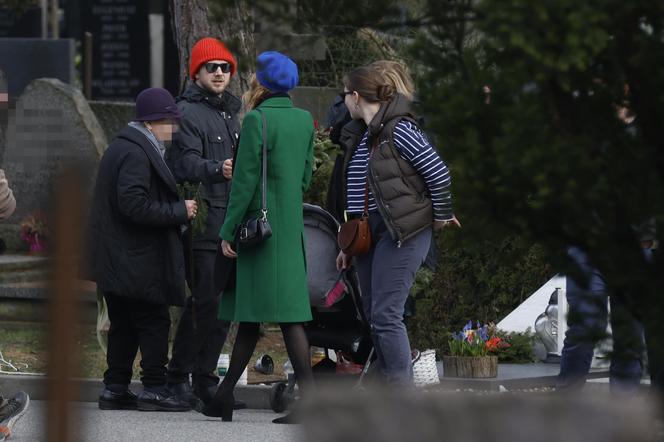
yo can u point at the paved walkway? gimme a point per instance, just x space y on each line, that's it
127 426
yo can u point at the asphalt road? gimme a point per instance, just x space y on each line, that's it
125 426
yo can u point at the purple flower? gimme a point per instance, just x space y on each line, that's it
484 333
468 326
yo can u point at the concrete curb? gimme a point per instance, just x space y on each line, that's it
494 384
255 396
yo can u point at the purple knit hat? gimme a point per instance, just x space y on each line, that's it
156 103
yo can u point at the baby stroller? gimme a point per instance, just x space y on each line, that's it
336 304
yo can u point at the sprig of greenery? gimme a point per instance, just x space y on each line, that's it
190 191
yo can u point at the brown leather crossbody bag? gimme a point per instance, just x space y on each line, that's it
354 237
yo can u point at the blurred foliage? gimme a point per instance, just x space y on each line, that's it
529 100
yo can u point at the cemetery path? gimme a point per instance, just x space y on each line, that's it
110 426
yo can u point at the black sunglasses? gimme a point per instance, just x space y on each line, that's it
342 95
211 68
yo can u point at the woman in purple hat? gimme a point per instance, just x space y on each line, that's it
271 276
134 253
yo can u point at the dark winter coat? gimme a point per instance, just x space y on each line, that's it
134 247
208 135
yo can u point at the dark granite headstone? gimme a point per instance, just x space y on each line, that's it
52 126
26 59
121 47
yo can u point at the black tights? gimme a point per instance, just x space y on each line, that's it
297 346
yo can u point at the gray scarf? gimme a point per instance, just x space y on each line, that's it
158 145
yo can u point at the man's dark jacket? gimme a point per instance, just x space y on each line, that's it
134 247
208 135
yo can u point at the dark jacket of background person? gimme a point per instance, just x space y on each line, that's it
208 135
347 134
134 247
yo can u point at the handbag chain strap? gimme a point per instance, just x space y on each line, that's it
264 177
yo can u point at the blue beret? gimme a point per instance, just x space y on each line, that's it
276 72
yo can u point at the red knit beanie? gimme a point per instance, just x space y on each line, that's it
207 49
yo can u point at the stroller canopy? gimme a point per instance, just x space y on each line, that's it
320 233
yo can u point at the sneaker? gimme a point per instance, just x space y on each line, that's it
160 401
110 400
11 412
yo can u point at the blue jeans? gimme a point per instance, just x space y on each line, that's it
587 320
386 275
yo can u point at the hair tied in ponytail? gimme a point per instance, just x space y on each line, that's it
385 92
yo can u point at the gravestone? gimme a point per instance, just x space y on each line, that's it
52 126
113 115
26 59
121 47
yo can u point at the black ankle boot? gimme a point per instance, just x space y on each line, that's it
220 406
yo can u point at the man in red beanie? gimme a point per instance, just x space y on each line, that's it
202 152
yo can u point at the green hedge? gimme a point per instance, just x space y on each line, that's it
475 280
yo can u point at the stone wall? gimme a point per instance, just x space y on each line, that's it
112 115
316 100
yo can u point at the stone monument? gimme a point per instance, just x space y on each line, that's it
51 126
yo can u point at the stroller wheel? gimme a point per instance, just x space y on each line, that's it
278 401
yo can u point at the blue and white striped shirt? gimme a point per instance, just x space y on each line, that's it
414 147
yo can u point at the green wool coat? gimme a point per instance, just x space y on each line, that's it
271 277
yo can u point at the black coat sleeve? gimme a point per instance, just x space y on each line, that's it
134 199
191 166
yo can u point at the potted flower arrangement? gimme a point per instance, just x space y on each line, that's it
473 353
35 231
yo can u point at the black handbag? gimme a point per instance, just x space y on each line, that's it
256 230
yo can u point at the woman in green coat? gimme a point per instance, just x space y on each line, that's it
271 276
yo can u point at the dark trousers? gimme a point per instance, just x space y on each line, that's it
386 275
196 349
136 324
587 321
